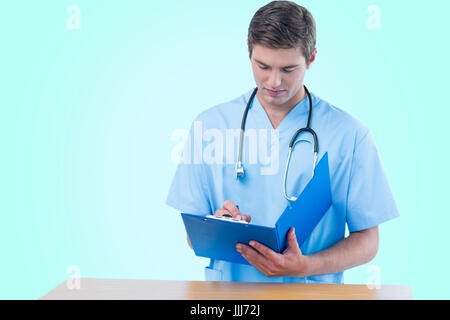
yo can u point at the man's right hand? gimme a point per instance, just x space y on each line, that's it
229 208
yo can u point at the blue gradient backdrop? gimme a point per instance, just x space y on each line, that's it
87 116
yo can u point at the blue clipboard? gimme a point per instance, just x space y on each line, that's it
217 239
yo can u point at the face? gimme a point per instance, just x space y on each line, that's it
279 74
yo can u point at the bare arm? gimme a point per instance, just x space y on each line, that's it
358 248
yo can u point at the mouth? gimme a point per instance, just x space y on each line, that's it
274 93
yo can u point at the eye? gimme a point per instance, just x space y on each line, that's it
288 71
263 68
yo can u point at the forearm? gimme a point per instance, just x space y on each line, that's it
357 249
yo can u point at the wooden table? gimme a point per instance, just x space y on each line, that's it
105 289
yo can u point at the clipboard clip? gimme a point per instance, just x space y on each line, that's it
227 217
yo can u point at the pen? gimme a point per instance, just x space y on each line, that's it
229 215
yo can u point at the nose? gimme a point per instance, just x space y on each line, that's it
274 80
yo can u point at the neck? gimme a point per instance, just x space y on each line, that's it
277 112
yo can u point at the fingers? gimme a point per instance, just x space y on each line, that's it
292 242
231 208
188 241
261 257
253 257
220 212
265 251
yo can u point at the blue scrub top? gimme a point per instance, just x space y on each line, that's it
206 175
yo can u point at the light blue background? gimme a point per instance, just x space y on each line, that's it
86 119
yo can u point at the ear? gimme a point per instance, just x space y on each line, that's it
313 57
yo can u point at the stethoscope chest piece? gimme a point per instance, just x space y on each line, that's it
239 170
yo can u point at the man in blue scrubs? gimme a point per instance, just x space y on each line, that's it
281 44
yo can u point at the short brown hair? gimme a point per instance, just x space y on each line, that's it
283 25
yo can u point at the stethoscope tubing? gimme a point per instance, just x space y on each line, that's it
240 167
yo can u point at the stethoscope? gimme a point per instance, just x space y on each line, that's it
240 167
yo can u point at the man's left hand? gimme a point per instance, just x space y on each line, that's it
273 264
